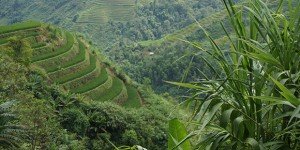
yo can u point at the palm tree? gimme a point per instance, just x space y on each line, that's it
10 133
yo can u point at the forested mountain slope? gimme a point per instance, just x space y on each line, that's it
113 29
63 89
173 51
176 53
69 62
110 21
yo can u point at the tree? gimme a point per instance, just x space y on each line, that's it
12 78
40 121
75 121
10 133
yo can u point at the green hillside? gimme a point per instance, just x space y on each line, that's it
71 96
101 11
188 30
69 62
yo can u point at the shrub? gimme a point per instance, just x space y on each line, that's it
130 138
75 121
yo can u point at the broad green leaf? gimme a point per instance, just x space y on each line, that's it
295 113
225 118
237 125
177 133
277 100
286 93
217 142
261 55
254 144
209 116
202 109
274 145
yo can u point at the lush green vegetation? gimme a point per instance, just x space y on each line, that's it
56 63
108 25
25 35
9 130
84 80
61 120
70 63
3 41
239 79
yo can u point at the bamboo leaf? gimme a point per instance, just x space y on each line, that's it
209 116
236 125
277 100
295 113
225 118
260 54
254 144
177 132
286 93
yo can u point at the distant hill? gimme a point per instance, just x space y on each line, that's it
68 61
107 22
67 11
102 11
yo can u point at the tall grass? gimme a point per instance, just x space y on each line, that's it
254 102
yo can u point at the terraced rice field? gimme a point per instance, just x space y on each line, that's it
113 92
60 50
101 11
19 26
69 63
133 100
92 84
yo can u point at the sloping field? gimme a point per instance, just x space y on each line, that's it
69 62
134 100
101 11
19 26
